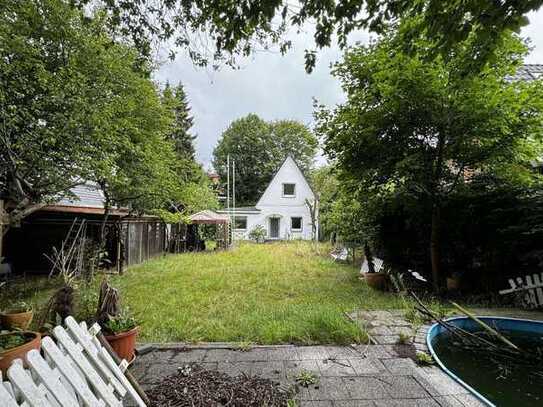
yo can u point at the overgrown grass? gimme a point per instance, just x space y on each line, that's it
267 294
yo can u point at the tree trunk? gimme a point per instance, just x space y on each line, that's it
434 247
2 216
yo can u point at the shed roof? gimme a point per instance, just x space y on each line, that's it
209 217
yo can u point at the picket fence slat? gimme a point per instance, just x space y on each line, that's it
531 285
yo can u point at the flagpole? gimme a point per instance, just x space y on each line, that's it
233 198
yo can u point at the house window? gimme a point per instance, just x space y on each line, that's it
241 223
296 223
289 190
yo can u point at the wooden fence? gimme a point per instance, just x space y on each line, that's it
143 240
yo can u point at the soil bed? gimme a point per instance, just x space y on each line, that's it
195 386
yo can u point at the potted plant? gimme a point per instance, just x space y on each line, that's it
15 345
121 332
376 280
17 316
454 281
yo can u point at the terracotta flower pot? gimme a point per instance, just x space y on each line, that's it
16 320
377 281
19 352
124 343
453 283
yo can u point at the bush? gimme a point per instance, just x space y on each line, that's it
258 234
488 234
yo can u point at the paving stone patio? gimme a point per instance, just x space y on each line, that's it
351 376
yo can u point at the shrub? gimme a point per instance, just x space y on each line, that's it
258 234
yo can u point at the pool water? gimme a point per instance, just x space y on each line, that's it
502 381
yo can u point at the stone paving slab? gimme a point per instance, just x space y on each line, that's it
348 376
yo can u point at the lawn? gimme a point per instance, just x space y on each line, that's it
269 293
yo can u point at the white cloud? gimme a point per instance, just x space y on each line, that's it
273 86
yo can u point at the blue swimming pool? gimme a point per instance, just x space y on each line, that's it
494 380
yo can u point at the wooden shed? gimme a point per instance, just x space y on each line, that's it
130 239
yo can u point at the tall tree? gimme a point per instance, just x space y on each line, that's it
175 100
75 106
422 126
259 148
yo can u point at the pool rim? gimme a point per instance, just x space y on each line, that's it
431 334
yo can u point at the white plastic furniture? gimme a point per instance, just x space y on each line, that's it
74 370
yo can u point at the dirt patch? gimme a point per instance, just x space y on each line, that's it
195 386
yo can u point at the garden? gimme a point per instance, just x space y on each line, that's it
256 293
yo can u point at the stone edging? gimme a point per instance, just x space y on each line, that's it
420 339
143 348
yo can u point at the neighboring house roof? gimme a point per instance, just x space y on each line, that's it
528 72
89 199
209 217
87 195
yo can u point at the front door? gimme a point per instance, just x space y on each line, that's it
274 228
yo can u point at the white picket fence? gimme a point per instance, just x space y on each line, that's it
531 286
75 371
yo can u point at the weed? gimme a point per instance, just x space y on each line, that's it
243 346
306 378
404 338
424 359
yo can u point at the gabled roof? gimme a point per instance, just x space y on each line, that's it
528 72
277 172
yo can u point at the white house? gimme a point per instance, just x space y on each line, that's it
282 210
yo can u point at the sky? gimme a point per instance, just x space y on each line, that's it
273 86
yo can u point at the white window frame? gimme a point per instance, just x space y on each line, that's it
236 218
301 224
283 190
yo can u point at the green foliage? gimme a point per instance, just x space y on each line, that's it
306 378
238 30
73 95
123 322
404 338
18 307
175 100
12 340
259 148
258 234
326 187
424 359
417 131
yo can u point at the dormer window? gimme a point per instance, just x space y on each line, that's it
289 190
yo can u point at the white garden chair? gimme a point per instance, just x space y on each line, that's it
340 254
75 371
